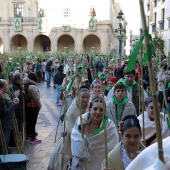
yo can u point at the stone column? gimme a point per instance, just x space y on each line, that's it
6 41
30 41
105 41
53 39
79 41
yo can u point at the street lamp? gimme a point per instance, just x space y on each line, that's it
120 30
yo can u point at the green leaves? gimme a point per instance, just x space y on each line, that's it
147 54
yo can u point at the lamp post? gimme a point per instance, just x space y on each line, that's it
120 30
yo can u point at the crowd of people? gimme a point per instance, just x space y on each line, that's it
101 109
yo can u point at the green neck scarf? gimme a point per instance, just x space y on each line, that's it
108 88
105 121
127 85
119 105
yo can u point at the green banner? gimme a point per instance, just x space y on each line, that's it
92 24
17 24
42 27
65 28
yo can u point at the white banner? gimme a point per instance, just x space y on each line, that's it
167 8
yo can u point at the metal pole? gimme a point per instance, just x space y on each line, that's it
120 47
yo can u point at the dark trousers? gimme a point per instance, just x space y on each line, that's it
31 120
43 76
160 97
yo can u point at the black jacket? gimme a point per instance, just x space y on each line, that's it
48 66
18 109
89 75
7 113
58 78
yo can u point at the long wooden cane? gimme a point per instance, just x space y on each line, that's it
152 83
2 139
142 94
105 134
17 137
64 127
81 121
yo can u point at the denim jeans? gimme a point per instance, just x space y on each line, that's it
48 76
7 133
58 93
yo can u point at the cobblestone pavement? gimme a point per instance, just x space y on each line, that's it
39 154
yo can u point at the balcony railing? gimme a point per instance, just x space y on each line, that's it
161 26
26 19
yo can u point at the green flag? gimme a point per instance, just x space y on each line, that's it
70 85
147 55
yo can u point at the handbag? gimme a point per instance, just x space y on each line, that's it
13 162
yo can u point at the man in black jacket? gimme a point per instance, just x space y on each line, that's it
88 72
49 70
58 79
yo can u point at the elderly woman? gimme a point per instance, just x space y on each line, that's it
62 153
90 150
149 122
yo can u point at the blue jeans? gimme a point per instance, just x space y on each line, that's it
57 86
48 76
169 107
7 133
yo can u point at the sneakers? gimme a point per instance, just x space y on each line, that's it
35 140
59 104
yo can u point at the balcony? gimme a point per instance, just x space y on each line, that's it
154 28
161 26
26 19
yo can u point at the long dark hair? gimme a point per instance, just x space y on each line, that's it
33 76
95 100
2 84
129 121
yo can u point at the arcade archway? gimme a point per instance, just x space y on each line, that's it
91 41
66 41
18 42
42 43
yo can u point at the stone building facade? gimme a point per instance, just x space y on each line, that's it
158 18
53 25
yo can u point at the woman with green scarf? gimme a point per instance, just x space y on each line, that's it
119 106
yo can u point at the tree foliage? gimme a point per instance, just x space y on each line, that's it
159 42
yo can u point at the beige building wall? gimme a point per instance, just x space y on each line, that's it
53 38
155 22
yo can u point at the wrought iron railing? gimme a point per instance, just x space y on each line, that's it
26 19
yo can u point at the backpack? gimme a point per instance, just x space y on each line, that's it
26 96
